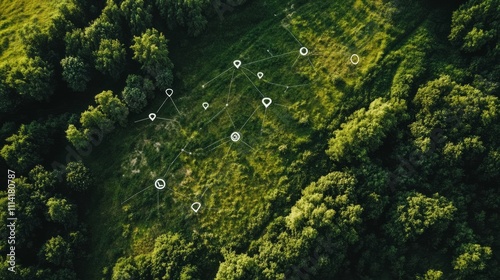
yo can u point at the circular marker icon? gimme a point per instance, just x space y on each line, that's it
303 51
260 75
152 116
237 63
235 136
267 101
354 59
160 184
169 92
196 206
205 105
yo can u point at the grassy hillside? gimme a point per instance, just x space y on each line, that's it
13 16
241 188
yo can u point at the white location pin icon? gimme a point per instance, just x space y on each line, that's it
169 92
205 105
237 63
152 116
196 206
267 101
160 184
260 75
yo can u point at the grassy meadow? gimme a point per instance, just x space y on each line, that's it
14 15
239 187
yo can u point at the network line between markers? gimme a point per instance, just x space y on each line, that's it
268 58
251 82
205 84
237 64
271 83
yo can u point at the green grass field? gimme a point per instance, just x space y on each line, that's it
240 188
13 16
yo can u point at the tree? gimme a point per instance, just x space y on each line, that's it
34 40
151 51
77 44
57 251
238 266
78 176
125 269
136 91
110 58
43 179
419 212
184 13
75 73
77 137
138 14
61 211
471 258
93 117
475 24
27 147
112 107
170 255
431 274
32 78
365 130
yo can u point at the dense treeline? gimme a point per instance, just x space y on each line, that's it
411 192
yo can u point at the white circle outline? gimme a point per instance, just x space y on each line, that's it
303 51
357 61
157 184
235 136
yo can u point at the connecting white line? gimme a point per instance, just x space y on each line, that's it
230 86
297 59
251 81
231 119
205 84
220 145
247 145
214 143
249 118
236 136
216 115
136 194
293 36
175 105
182 150
162 104
141 120
264 59
263 120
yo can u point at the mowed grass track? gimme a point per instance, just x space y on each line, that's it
240 188
13 16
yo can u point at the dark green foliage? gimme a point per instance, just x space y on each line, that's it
418 213
26 148
138 15
366 130
184 13
61 211
78 176
32 78
101 119
110 58
75 73
172 258
57 251
150 50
